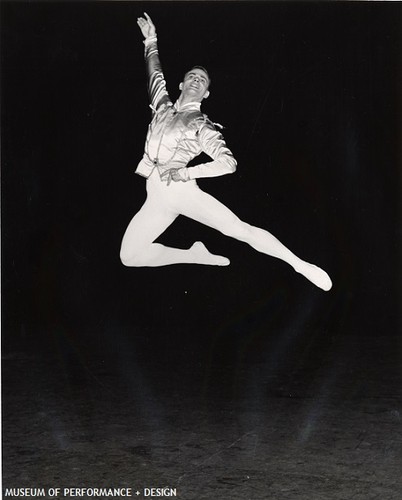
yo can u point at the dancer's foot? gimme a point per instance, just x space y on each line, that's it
203 256
316 275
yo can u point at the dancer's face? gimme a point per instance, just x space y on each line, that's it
195 84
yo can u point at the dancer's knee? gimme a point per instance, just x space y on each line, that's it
131 257
124 257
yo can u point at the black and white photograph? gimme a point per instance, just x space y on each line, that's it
201 249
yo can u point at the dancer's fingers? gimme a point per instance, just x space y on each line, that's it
149 20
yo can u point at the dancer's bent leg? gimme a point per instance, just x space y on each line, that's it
209 211
139 250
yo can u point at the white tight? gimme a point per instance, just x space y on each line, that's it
164 203
162 206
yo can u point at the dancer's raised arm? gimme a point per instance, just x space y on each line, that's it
156 82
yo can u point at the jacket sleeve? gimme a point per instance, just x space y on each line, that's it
214 145
156 82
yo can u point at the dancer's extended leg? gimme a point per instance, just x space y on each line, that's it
139 250
209 211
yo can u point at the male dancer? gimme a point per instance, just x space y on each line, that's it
178 133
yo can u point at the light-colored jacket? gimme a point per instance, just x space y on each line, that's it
177 135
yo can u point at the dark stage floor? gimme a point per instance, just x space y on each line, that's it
324 425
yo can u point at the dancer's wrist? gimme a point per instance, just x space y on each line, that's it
190 172
150 39
184 174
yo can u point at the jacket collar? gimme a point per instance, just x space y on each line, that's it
188 106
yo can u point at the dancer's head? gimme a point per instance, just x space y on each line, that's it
195 84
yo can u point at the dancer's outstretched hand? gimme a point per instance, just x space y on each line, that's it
146 25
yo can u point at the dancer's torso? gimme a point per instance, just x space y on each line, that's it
171 139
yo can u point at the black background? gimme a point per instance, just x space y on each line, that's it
309 97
